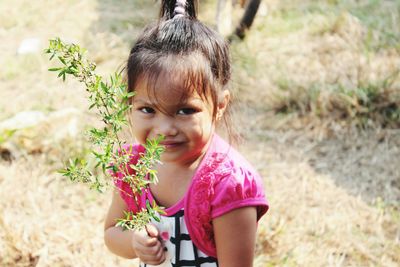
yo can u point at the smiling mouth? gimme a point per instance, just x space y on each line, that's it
169 145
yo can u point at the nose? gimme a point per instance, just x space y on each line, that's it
166 126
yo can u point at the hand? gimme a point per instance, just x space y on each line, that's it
147 245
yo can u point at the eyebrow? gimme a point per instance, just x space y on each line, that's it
142 101
135 100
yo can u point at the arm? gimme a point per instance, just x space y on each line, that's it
131 244
235 234
117 240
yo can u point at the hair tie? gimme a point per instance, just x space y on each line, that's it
180 8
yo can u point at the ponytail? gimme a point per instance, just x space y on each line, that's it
178 8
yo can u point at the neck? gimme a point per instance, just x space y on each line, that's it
189 165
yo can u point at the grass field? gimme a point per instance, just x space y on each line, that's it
318 103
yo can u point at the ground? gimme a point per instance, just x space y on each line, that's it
317 91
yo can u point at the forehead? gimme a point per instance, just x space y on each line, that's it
175 79
165 91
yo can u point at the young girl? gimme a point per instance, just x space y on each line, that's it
179 70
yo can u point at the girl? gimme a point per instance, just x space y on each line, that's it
179 70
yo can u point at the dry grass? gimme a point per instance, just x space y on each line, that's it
326 61
309 74
320 214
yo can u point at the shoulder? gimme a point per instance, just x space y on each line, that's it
237 185
231 181
224 182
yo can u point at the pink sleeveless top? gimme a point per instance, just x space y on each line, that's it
223 181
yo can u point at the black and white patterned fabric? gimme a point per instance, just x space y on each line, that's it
181 250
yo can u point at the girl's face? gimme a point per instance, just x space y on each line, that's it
187 126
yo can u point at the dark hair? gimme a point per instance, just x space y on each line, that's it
181 44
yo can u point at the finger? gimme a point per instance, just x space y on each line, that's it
161 255
150 242
149 250
143 238
150 247
152 230
154 259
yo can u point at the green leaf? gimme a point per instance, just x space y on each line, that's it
62 60
61 73
104 87
148 206
111 102
156 218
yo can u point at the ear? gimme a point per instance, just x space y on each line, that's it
222 103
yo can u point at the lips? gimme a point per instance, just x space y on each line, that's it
171 144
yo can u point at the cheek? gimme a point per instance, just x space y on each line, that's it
204 127
139 134
139 128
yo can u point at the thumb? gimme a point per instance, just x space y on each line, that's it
152 230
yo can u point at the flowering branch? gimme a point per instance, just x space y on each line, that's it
111 100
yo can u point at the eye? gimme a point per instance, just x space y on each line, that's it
186 111
146 110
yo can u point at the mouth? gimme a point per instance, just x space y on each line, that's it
171 144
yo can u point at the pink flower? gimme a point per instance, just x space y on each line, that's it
164 236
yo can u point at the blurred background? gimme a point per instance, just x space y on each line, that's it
318 98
